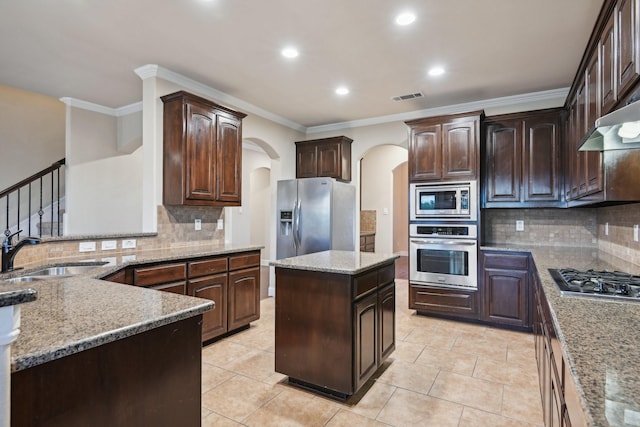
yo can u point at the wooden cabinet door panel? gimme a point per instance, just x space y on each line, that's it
459 150
386 321
229 160
366 345
200 153
607 51
306 161
506 297
329 156
628 63
214 288
504 145
244 297
425 148
541 164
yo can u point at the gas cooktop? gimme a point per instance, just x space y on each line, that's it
601 284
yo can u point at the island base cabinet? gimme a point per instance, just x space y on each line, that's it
148 379
334 331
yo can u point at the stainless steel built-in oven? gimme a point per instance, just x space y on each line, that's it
452 201
444 255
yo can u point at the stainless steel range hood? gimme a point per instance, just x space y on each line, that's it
618 130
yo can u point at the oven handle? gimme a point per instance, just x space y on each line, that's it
444 242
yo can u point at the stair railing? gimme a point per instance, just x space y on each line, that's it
43 191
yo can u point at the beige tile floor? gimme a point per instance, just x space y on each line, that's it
442 373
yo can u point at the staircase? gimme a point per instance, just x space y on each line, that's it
35 204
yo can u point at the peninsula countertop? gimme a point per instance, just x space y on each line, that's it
341 262
79 312
599 337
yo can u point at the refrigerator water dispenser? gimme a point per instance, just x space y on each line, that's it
286 223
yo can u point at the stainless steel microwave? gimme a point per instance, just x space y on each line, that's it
444 200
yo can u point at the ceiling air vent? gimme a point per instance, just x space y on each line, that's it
408 96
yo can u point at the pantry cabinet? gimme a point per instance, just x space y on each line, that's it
202 158
522 160
326 157
444 148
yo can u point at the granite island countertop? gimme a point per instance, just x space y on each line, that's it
79 312
341 262
599 338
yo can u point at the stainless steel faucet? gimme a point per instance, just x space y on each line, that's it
9 250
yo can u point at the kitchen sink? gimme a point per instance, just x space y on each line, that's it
23 279
69 270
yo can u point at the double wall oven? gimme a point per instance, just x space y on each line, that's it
443 235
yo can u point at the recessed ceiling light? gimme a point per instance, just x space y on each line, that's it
436 71
289 52
342 90
405 18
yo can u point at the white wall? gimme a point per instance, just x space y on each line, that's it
261 212
104 186
377 190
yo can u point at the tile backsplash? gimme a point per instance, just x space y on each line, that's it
176 228
620 238
368 221
542 227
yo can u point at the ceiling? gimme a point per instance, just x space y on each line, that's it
89 49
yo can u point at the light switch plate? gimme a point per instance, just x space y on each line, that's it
635 233
86 246
198 224
110 261
220 224
128 243
519 225
109 245
606 228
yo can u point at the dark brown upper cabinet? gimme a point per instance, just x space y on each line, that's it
628 51
202 156
444 148
522 160
326 157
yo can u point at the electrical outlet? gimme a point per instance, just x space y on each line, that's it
128 258
86 246
198 223
220 224
108 245
128 243
635 233
519 225
110 261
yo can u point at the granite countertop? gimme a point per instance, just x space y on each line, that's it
599 338
19 295
75 313
343 262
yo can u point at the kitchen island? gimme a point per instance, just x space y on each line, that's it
93 352
596 338
335 319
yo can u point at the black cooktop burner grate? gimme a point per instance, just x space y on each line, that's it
597 283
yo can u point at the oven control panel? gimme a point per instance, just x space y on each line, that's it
444 230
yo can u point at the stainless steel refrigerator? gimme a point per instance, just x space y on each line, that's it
314 215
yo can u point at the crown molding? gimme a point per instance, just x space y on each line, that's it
90 106
153 70
449 109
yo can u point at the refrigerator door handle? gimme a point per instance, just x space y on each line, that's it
296 229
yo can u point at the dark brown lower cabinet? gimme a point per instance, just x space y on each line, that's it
148 379
561 403
505 288
334 330
232 282
449 302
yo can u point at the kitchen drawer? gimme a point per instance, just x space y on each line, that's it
207 267
176 288
243 261
506 261
386 275
364 284
445 301
147 276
